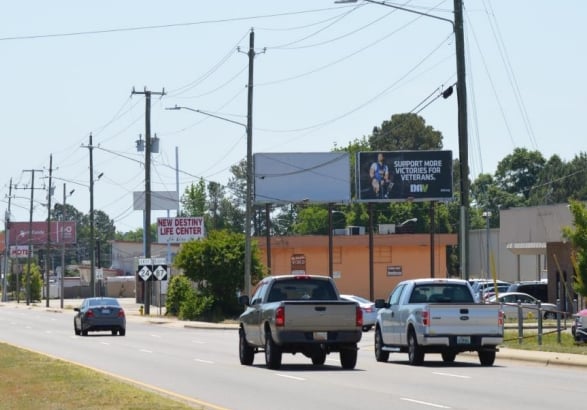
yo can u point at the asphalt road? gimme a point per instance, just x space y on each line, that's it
200 363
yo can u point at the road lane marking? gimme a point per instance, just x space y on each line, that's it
157 336
425 403
204 361
291 377
145 351
452 375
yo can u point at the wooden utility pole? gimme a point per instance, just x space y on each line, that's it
147 211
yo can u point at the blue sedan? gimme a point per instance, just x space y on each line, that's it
99 314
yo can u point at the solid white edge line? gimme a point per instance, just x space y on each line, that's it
425 403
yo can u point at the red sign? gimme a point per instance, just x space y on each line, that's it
61 232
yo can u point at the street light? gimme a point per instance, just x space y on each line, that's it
248 200
457 26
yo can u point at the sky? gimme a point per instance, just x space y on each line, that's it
324 75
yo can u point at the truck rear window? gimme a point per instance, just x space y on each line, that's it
301 290
441 293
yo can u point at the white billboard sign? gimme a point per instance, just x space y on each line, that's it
315 177
180 229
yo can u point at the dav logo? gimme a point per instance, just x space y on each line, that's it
419 188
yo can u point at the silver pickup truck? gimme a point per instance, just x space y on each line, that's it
299 314
436 316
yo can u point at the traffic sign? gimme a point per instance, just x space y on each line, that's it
160 272
145 272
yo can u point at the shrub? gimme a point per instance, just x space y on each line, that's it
195 306
179 289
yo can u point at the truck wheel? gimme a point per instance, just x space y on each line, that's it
272 353
245 351
486 357
380 354
318 356
415 352
448 357
348 357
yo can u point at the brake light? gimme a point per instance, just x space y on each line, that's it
426 318
280 316
89 313
500 318
121 313
359 316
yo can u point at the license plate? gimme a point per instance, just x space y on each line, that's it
320 335
105 311
463 340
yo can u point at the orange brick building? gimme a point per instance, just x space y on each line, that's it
395 257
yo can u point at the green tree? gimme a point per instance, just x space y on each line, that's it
577 235
33 280
405 132
518 172
216 265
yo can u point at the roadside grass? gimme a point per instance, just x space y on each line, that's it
549 343
31 380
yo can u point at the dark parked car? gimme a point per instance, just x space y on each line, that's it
537 289
99 314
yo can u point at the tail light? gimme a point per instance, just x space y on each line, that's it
426 318
121 313
500 318
280 316
359 316
89 313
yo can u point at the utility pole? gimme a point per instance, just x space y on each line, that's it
6 245
249 200
30 250
49 195
463 137
90 148
147 211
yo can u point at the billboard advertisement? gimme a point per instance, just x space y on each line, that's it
61 232
179 229
302 177
386 176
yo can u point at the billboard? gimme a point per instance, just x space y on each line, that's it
160 200
61 232
314 177
179 229
385 176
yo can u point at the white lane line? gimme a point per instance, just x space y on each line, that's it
145 351
157 336
452 375
425 403
291 377
105 343
199 342
203 361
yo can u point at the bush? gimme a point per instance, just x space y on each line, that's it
195 306
179 289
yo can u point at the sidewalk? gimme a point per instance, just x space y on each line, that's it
133 313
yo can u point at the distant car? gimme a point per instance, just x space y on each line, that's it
368 308
483 286
529 305
579 327
538 289
99 314
489 292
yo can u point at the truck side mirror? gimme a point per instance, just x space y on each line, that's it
380 303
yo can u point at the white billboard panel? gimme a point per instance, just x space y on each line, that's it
314 177
160 200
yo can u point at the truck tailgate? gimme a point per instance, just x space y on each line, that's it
320 316
469 319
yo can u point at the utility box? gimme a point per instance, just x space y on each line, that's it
386 229
355 230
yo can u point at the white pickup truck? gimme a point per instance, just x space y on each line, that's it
299 314
436 316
